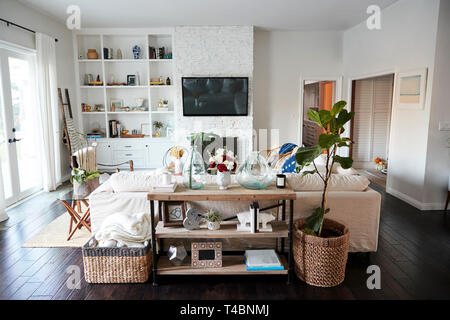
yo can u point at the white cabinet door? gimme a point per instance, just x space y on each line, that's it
104 154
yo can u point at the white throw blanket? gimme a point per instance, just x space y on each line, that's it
125 229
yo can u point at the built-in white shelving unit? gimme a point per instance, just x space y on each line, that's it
118 70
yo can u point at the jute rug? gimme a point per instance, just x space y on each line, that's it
55 235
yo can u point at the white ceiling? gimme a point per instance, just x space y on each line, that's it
265 14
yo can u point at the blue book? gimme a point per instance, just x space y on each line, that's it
263 268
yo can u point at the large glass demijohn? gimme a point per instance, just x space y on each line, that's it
194 172
254 173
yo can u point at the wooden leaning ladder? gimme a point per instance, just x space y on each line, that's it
66 138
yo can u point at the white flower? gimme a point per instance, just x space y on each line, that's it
220 152
219 159
230 154
226 162
230 165
211 159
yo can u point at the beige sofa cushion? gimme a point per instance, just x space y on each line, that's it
339 182
137 181
321 162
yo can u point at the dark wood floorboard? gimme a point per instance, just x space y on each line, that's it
413 255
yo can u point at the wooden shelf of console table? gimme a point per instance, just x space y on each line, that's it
231 265
211 192
228 229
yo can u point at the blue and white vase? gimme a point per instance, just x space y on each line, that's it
137 52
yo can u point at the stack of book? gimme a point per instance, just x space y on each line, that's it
164 188
259 260
94 136
157 53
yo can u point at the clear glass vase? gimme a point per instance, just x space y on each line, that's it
194 173
254 173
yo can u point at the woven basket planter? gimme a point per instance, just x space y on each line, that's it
116 265
321 261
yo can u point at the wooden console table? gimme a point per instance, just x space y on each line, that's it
232 264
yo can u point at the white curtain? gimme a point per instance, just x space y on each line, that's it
49 118
3 215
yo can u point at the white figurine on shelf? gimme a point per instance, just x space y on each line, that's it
263 219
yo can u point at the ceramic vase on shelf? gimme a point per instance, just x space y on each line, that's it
194 173
213 225
158 132
254 173
223 179
92 54
136 52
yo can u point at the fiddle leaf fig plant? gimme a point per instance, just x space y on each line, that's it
332 121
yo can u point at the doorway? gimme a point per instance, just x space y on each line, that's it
370 127
317 95
19 132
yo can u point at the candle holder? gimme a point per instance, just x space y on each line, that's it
281 181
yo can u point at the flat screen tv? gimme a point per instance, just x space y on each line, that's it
215 96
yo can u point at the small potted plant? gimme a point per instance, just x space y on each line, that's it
223 162
84 182
320 244
213 219
158 127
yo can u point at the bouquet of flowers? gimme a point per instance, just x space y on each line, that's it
223 161
380 164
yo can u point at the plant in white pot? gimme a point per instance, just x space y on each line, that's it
321 244
213 219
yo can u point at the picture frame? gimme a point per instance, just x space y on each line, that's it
206 254
131 80
410 89
174 212
146 129
115 104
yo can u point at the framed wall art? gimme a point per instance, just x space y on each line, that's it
145 129
174 213
411 89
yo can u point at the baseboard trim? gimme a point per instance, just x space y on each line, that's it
433 206
417 204
3 216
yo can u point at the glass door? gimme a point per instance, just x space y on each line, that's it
19 131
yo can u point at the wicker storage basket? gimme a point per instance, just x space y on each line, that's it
321 261
116 265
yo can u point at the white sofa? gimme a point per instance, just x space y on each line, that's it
358 210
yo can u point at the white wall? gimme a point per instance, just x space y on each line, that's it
281 58
214 51
438 159
406 41
22 15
